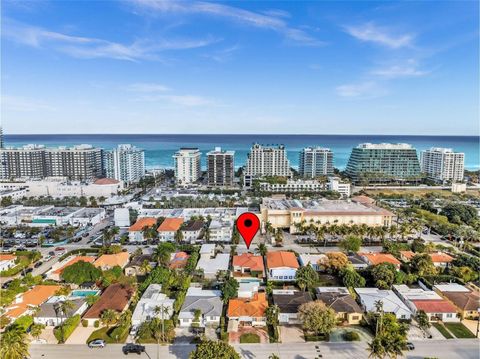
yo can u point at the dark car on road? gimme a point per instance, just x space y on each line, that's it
410 346
38 264
133 348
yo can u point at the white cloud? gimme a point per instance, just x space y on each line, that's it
369 32
362 90
180 100
85 47
222 55
408 69
147 87
274 21
22 104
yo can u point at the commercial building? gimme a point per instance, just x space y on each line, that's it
220 167
187 165
443 164
265 161
315 162
27 161
288 214
382 163
125 163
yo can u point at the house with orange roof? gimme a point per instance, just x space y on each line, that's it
248 265
178 260
406 256
56 271
282 266
439 259
168 228
135 232
379 258
7 261
24 303
108 261
248 311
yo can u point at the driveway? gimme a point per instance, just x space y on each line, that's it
183 336
47 336
291 334
472 325
234 337
80 335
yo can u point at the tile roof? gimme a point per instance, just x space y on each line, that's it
434 306
469 301
249 260
281 259
340 302
141 223
289 303
31 298
179 260
112 260
407 254
137 261
246 307
441 257
378 258
193 226
170 225
115 297
74 260
7 257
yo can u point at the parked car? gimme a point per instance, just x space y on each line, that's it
133 348
28 270
51 253
410 346
98 343
38 264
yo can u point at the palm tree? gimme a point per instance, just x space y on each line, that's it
14 343
109 317
376 349
91 299
262 249
145 267
36 330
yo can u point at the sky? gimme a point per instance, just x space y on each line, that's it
152 66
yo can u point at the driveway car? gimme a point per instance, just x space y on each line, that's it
98 343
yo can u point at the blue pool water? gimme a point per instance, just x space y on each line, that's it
83 293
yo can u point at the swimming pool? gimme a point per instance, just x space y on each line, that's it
83 293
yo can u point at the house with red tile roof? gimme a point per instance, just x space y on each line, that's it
248 311
248 265
135 232
24 303
108 261
7 261
56 271
168 228
378 258
282 266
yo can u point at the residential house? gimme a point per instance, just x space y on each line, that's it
248 289
57 269
288 301
50 313
208 248
135 232
192 230
116 297
168 228
153 304
391 303
134 267
24 303
341 301
220 230
208 304
465 300
379 258
248 311
439 259
282 266
178 260
430 302
210 264
312 260
7 261
357 261
108 261
248 265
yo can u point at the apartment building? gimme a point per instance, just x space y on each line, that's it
265 161
187 165
220 167
315 162
443 164
27 161
125 163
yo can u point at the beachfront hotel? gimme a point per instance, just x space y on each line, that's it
187 165
443 164
384 162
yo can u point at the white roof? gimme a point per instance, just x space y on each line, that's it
213 265
342 290
311 258
151 299
391 303
451 287
207 248
199 292
416 293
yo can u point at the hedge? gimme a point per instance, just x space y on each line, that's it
82 251
69 326
96 324
84 323
351 336
119 333
25 321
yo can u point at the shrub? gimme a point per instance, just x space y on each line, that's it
66 328
96 324
351 336
25 321
249 338
119 333
84 323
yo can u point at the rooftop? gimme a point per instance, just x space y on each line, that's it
178 260
451 287
378 258
74 260
281 259
170 225
115 297
434 306
339 299
193 226
469 301
249 260
248 307
141 223
112 260
47 310
391 303
31 298
288 301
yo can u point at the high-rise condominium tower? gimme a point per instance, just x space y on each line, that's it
442 164
125 163
187 165
315 162
220 167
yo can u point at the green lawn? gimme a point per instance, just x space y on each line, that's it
249 338
459 330
442 330
102 333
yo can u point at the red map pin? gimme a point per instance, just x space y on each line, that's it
248 225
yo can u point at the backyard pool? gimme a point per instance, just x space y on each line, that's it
83 293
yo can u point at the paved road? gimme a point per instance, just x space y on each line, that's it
442 349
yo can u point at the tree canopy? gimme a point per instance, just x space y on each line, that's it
81 272
230 289
383 275
306 277
316 317
334 262
350 243
212 349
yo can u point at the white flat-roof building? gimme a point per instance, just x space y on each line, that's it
221 230
443 164
152 299
187 165
311 259
391 303
211 264
125 163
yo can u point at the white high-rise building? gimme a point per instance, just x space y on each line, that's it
187 165
315 162
443 164
266 161
125 163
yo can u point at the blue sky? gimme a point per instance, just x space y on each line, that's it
148 66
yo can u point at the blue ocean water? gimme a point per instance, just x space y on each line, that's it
160 148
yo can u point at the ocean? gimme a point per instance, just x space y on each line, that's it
160 148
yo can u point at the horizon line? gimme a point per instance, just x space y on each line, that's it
235 134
